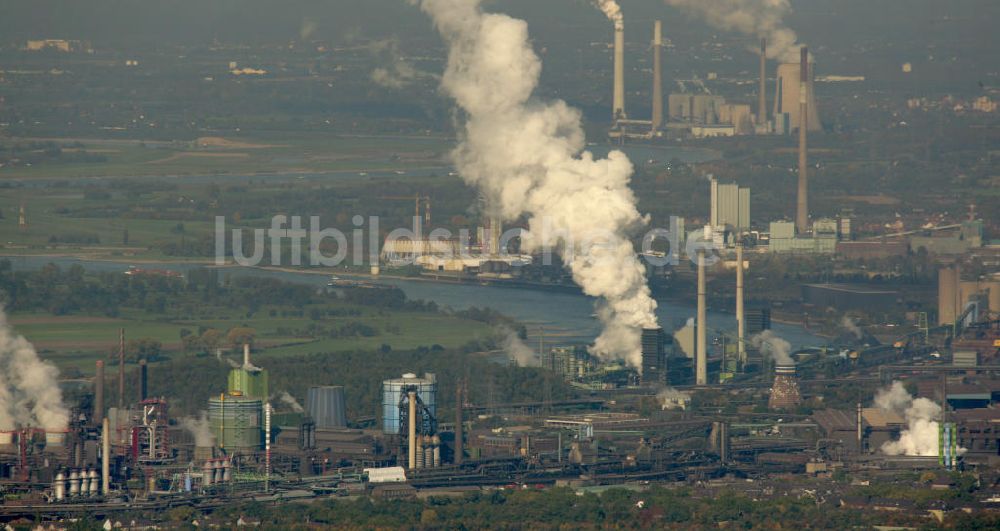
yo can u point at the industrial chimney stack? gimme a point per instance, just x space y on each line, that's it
657 75
99 393
740 310
618 104
701 349
802 206
762 103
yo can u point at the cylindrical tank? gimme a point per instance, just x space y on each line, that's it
419 442
95 482
74 483
187 482
436 445
227 468
220 474
393 390
326 406
59 486
207 473
236 422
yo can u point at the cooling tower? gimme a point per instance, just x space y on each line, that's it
657 75
326 405
785 390
618 104
786 98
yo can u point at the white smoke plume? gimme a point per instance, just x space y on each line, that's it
517 350
611 9
200 429
396 72
232 363
773 346
849 325
29 388
670 398
761 18
291 401
920 438
526 157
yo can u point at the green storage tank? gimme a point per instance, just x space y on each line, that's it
236 422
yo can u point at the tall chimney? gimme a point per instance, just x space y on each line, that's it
121 368
701 350
99 393
105 456
143 380
740 310
861 439
411 433
762 97
459 428
246 355
618 103
657 75
802 206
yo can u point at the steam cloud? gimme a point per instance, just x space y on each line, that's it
29 387
200 429
292 403
848 324
920 438
397 73
763 18
770 344
670 398
527 158
517 350
611 9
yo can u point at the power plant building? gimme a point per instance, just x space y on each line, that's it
730 206
786 99
654 357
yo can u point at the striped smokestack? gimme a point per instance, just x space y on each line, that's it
657 75
802 205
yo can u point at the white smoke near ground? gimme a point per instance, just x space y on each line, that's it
761 18
920 438
290 400
526 157
773 346
849 325
307 29
611 9
29 388
396 73
517 350
231 362
670 398
200 429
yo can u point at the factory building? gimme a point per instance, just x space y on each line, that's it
783 238
654 357
394 393
729 206
955 296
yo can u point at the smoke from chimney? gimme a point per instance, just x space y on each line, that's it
761 18
773 346
29 389
527 157
290 400
200 429
920 438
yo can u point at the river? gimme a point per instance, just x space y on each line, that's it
560 317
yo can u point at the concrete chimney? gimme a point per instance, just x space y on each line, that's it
143 380
411 433
105 456
459 427
246 355
99 393
121 368
657 75
740 310
861 432
701 350
802 205
762 97
618 103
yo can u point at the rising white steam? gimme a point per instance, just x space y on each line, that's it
849 325
517 350
773 346
920 438
200 429
761 18
29 387
670 398
291 402
611 9
526 157
395 72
